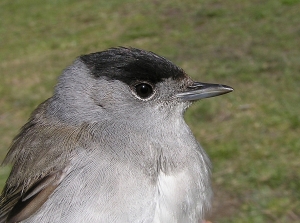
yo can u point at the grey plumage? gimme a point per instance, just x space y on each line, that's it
111 145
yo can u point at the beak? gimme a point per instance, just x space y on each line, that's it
200 90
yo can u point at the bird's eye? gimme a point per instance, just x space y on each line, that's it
144 90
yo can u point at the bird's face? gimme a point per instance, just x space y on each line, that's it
127 85
140 98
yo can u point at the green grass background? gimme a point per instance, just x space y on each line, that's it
251 135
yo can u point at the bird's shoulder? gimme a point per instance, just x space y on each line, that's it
38 165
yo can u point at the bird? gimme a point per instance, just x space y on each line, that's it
112 145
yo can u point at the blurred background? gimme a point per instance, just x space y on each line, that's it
251 135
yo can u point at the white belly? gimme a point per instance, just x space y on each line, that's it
177 199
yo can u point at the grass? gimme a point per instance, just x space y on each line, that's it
251 135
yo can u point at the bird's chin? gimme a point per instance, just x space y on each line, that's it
186 105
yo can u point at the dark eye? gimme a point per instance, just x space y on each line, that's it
144 90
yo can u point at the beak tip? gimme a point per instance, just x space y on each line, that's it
229 89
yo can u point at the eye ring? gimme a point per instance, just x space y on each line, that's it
143 90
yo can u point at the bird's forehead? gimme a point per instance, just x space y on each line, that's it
130 64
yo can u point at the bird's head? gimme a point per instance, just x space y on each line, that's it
126 84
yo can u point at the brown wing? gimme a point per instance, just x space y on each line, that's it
40 155
16 206
39 162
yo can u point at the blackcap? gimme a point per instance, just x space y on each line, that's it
111 145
